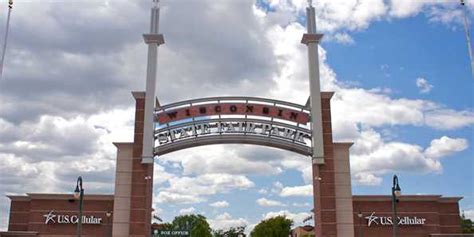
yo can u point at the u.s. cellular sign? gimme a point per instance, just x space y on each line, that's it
223 120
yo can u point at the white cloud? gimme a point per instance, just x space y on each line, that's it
187 211
210 183
296 217
448 119
177 198
54 138
383 157
372 157
297 204
277 187
343 38
469 214
406 8
438 11
269 203
187 190
446 15
160 175
367 179
219 204
424 86
376 108
225 221
306 191
445 146
210 160
307 174
351 15
357 15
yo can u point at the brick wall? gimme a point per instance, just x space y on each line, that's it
27 215
441 214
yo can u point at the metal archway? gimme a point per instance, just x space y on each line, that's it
232 120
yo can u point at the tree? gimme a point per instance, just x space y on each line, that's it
467 225
232 232
196 224
279 226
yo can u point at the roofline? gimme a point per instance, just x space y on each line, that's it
19 233
59 196
438 198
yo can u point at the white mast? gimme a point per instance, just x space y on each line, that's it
311 39
468 36
5 40
153 40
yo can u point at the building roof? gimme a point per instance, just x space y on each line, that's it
59 196
382 198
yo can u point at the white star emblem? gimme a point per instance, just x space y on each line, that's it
49 217
372 219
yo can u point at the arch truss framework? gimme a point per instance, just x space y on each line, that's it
238 120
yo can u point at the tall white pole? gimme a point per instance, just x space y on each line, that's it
153 39
5 40
468 37
311 39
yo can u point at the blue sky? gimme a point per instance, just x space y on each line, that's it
399 69
394 54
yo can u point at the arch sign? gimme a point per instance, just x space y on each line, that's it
223 120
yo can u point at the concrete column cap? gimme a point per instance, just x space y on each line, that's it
311 38
158 39
138 94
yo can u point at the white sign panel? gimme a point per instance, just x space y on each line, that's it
52 218
374 220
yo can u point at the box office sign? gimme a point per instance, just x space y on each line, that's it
52 218
171 233
374 220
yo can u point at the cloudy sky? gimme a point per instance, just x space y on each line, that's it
399 68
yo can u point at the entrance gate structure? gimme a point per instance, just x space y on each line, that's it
304 129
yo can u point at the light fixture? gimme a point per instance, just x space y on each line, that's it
79 194
396 192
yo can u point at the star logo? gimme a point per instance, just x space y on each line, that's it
372 219
49 217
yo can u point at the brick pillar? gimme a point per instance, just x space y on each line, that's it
324 179
142 177
123 190
343 190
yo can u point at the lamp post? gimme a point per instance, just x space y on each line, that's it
360 223
148 201
79 194
108 214
396 192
